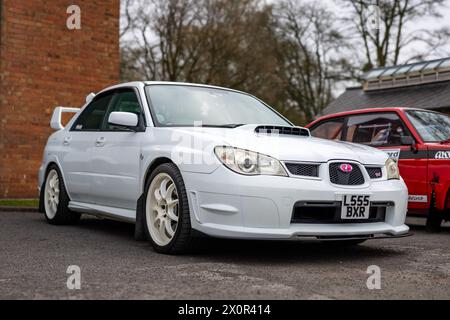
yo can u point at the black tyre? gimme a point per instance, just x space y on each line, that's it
434 220
55 199
166 216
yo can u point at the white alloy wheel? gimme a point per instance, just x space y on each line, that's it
51 195
162 209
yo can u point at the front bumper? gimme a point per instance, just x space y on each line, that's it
229 205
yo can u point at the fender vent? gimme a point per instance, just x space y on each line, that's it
292 131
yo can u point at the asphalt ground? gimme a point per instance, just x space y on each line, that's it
35 256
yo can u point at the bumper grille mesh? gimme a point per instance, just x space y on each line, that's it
330 212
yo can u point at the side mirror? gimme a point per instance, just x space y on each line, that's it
407 141
123 119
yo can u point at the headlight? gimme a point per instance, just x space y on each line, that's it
392 169
249 162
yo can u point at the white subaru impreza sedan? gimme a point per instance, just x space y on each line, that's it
180 160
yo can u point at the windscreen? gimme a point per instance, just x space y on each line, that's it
178 105
432 126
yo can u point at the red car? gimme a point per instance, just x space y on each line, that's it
420 141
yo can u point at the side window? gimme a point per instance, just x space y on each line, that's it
331 129
92 117
377 129
123 101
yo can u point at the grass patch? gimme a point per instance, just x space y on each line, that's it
19 203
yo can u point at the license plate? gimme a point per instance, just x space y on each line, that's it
355 206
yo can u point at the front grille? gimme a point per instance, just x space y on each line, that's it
374 172
330 212
303 169
353 178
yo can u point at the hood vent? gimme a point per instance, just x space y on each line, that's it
292 131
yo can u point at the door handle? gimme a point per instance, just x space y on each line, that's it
100 142
67 140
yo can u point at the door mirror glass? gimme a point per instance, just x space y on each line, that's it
123 119
407 141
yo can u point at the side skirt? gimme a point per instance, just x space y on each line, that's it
118 214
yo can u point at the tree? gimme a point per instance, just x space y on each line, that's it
287 53
160 45
238 48
309 55
221 42
384 46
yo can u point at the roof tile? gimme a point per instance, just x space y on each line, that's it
426 96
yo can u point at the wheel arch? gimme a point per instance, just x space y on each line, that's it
151 167
41 208
50 164
442 196
139 230
47 167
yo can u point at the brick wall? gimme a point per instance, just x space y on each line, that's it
42 65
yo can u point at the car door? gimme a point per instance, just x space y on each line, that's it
116 156
384 131
77 146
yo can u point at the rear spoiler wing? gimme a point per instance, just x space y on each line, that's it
55 122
